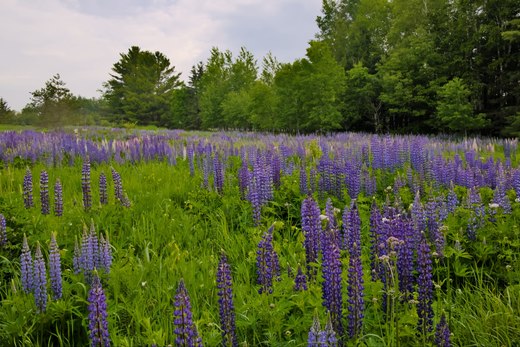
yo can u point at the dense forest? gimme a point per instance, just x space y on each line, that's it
401 66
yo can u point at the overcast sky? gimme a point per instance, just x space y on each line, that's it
82 39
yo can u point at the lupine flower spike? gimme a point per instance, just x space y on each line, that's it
3 230
40 280
58 198
442 333
44 193
97 317
28 189
26 266
55 268
425 288
103 192
185 331
85 185
227 309
300 281
314 332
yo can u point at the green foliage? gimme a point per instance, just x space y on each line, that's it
362 104
6 114
309 91
455 111
141 87
410 82
52 106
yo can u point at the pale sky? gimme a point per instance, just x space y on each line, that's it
82 39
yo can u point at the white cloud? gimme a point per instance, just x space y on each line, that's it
81 40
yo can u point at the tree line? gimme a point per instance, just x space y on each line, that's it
403 66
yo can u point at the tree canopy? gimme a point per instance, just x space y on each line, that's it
141 87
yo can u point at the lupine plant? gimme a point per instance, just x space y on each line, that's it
227 308
98 315
3 230
44 193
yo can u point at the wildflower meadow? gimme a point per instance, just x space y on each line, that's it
126 237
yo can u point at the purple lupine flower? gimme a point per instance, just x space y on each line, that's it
500 196
435 234
474 203
104 259
89 253
58 198
304 190
206 168
190 154
55 268
255 198
103 191
332 224
405 254
300 281
85 184
275 170
353 179
227 309
119 192
356 302
118 185
243 178
76 259
186 334
40 280
311 228
515 182
266 262
314 333
312 180
26 267
442 333
351 228
424 288
28 189
44 193
328 336
3 230
97 317
378 238
332 297
452 200
218 174
418 214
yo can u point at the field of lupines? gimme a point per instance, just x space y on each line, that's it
143 238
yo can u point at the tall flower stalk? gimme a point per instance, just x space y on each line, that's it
332 297
85 184
28 189
44 193
267 265
55 268
3 230
40 280
185 331
97 317
311 228
227 309
26 267
103 192
425 289
58 198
